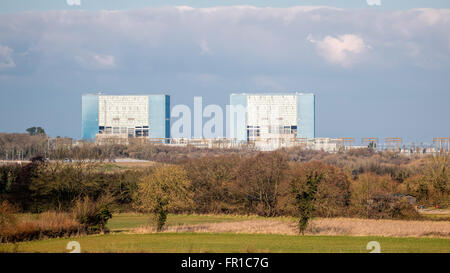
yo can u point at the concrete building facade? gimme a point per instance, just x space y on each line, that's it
125 116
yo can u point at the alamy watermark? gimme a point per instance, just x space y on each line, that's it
374 2
374 246
212 122
74 246
73 2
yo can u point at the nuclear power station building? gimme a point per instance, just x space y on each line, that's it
125 116
274 120
266 121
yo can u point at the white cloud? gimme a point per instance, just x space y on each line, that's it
432 17
184 8
6 59
240 39
93 61
343 50
105 60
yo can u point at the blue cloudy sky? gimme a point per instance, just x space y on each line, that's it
377 70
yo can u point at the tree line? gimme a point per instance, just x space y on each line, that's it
265 183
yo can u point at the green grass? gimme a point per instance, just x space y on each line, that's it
109 167
127 221
436 217
228 242
119 241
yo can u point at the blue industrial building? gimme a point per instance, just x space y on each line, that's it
125 116
270 116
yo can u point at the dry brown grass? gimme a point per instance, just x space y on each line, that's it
435 211
45 225
49 220
390 228
323 226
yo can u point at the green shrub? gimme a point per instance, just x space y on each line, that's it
304 190
166 189
94 215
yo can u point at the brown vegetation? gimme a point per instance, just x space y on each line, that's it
31 227
320 226
87 217
333 190
259 179
356 183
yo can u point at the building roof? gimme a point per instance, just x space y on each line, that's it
272 94
103 94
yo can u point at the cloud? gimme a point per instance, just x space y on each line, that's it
93 61
105 60
184 8
343 50
6 59
432 17
236 39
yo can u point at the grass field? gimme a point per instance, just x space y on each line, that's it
229 242
232 234
127 221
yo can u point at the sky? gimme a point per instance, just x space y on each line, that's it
378 68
